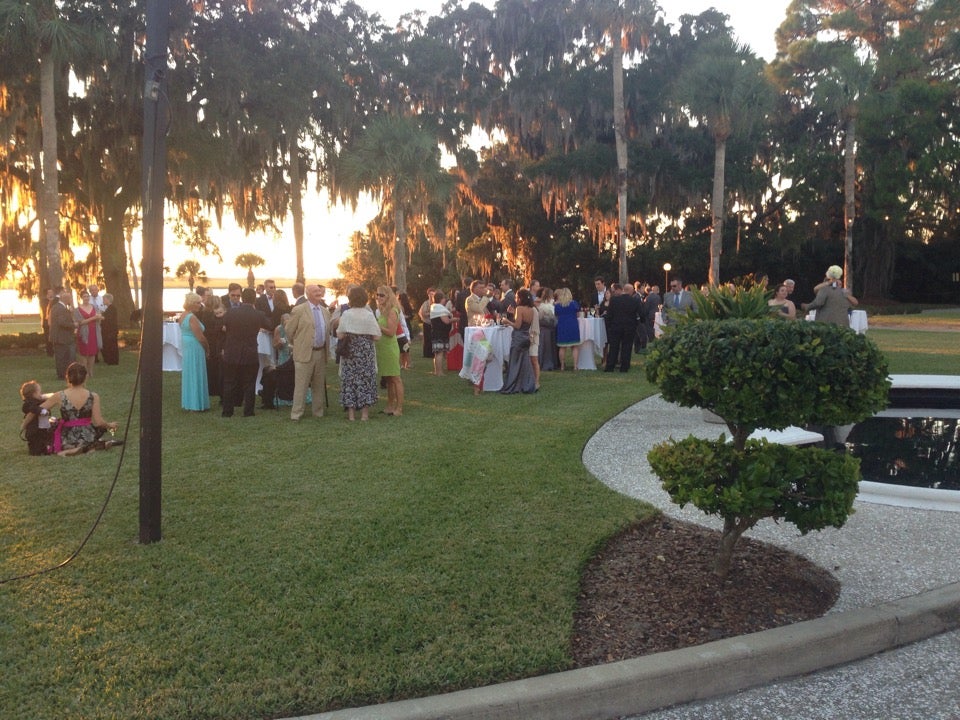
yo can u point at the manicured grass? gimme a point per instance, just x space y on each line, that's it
20 324
316 565
304 566
919 352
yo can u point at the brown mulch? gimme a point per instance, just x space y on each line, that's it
652 588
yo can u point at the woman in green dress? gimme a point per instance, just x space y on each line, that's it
388 352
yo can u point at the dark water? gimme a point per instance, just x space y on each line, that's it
918 449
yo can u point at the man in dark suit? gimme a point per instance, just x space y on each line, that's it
651 306
232 299
297 291
265 304
240 361
508 300
460 300
621 318
63 333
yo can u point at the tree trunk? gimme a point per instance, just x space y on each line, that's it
113 260
716 210
849 197
876 260
732 530
296 207
399 250
620 134
49 199
133 266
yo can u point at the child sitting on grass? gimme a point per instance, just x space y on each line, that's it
37 425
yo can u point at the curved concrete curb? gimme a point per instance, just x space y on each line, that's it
706 671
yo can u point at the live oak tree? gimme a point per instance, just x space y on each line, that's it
904 98
43 32
836 78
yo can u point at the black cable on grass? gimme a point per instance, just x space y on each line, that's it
106 500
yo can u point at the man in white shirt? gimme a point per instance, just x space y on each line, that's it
601 290
95 298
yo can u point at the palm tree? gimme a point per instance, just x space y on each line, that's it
191 270
399 164
624 25
724 88
249 261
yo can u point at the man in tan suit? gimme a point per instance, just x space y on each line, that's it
476 303
308 330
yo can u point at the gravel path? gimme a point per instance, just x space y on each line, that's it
881 554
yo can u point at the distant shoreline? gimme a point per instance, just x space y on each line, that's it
177 283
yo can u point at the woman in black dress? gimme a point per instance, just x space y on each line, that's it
212 318
110 332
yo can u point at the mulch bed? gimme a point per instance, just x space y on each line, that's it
653 588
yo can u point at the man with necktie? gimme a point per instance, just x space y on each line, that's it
232 298
308 331
677 302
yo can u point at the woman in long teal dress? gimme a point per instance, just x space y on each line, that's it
388 352
194 392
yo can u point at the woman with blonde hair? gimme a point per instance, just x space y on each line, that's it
567 310
194 391
833 301
388 352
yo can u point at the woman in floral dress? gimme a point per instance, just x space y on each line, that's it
357 331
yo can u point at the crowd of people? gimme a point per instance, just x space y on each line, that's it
223 341
81 331
247 339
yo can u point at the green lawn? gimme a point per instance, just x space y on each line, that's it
311 566
304 566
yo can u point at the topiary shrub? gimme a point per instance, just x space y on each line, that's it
764 373
22 341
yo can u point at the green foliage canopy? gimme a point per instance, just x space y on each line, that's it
770 373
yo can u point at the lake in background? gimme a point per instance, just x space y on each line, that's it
11 304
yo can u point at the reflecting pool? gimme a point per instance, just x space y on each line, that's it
916 448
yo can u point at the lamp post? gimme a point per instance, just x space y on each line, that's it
666 275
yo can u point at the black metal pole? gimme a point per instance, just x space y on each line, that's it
154 180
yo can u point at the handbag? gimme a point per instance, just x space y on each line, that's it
343 347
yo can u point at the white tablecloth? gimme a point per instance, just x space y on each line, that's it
593 338
172 342
858 320
499 338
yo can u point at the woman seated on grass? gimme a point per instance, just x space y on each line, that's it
81 423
